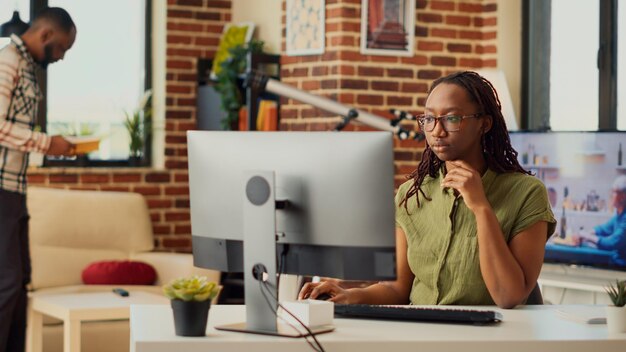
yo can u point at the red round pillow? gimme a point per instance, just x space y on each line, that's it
119 272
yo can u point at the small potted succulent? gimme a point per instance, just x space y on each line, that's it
191 299
616 314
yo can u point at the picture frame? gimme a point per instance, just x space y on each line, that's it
388 27
306 27
233 34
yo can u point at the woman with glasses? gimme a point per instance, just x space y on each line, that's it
471 222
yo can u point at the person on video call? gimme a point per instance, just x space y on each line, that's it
51 34
611 236
471 223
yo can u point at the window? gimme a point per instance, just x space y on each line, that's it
573 68
102 77
570 84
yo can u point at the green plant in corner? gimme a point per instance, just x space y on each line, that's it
194 288
227 77
139 125
617 293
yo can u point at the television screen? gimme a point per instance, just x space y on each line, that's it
585 176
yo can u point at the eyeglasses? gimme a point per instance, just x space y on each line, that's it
450 123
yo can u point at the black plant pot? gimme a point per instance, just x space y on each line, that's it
190 318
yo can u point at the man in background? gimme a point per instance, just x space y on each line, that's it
51 34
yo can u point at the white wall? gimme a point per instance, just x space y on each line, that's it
509 44
266 15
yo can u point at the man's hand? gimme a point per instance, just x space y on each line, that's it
60 146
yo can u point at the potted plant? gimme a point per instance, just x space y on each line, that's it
616 314
227 77
191 299
139 127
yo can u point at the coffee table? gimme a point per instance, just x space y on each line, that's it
76 308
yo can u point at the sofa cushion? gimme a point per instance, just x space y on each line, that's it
83 227
119 272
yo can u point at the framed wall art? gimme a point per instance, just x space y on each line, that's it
387 27
305 30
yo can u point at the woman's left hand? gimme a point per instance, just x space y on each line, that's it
467 182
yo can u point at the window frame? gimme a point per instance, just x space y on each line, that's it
536 23
41 118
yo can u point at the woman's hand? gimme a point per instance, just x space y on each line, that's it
467 182
313 290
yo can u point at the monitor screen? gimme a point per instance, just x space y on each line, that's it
339 187
579 170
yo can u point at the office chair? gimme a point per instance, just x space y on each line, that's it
535 297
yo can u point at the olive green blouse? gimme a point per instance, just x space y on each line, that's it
442 248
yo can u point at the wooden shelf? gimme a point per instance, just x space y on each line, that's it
543 167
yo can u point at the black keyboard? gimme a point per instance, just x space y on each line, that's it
418 313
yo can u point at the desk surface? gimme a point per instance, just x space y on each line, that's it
536 328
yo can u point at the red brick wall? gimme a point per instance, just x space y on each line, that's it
193 30
449 35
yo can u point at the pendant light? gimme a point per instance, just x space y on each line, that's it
13 26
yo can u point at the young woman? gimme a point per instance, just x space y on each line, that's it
471 223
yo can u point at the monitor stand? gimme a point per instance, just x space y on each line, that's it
259 262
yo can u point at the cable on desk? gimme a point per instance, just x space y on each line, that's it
263 285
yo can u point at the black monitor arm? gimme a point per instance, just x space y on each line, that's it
262 82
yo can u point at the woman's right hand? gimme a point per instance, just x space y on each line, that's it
313 290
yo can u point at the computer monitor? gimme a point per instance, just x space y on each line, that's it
579 170
336 193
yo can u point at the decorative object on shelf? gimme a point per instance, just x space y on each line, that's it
305 31
139 126
227 84
387 27
191 299
234 35
616 314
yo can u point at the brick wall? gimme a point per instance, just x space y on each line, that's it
449 35
193 30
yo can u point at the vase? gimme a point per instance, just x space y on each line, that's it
190 317
616 319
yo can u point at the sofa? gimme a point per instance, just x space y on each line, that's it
71 229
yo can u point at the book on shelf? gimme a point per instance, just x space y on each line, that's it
267 116
84 144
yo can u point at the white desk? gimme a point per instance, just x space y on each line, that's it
534 329
76 308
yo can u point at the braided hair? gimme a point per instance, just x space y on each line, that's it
496 144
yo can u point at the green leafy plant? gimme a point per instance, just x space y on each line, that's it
194 288
227 77
139 125
617 293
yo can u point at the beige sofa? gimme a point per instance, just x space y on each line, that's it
70 229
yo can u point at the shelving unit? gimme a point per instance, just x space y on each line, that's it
209 105
268 64
541 170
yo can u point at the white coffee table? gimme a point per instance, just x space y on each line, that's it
76 308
